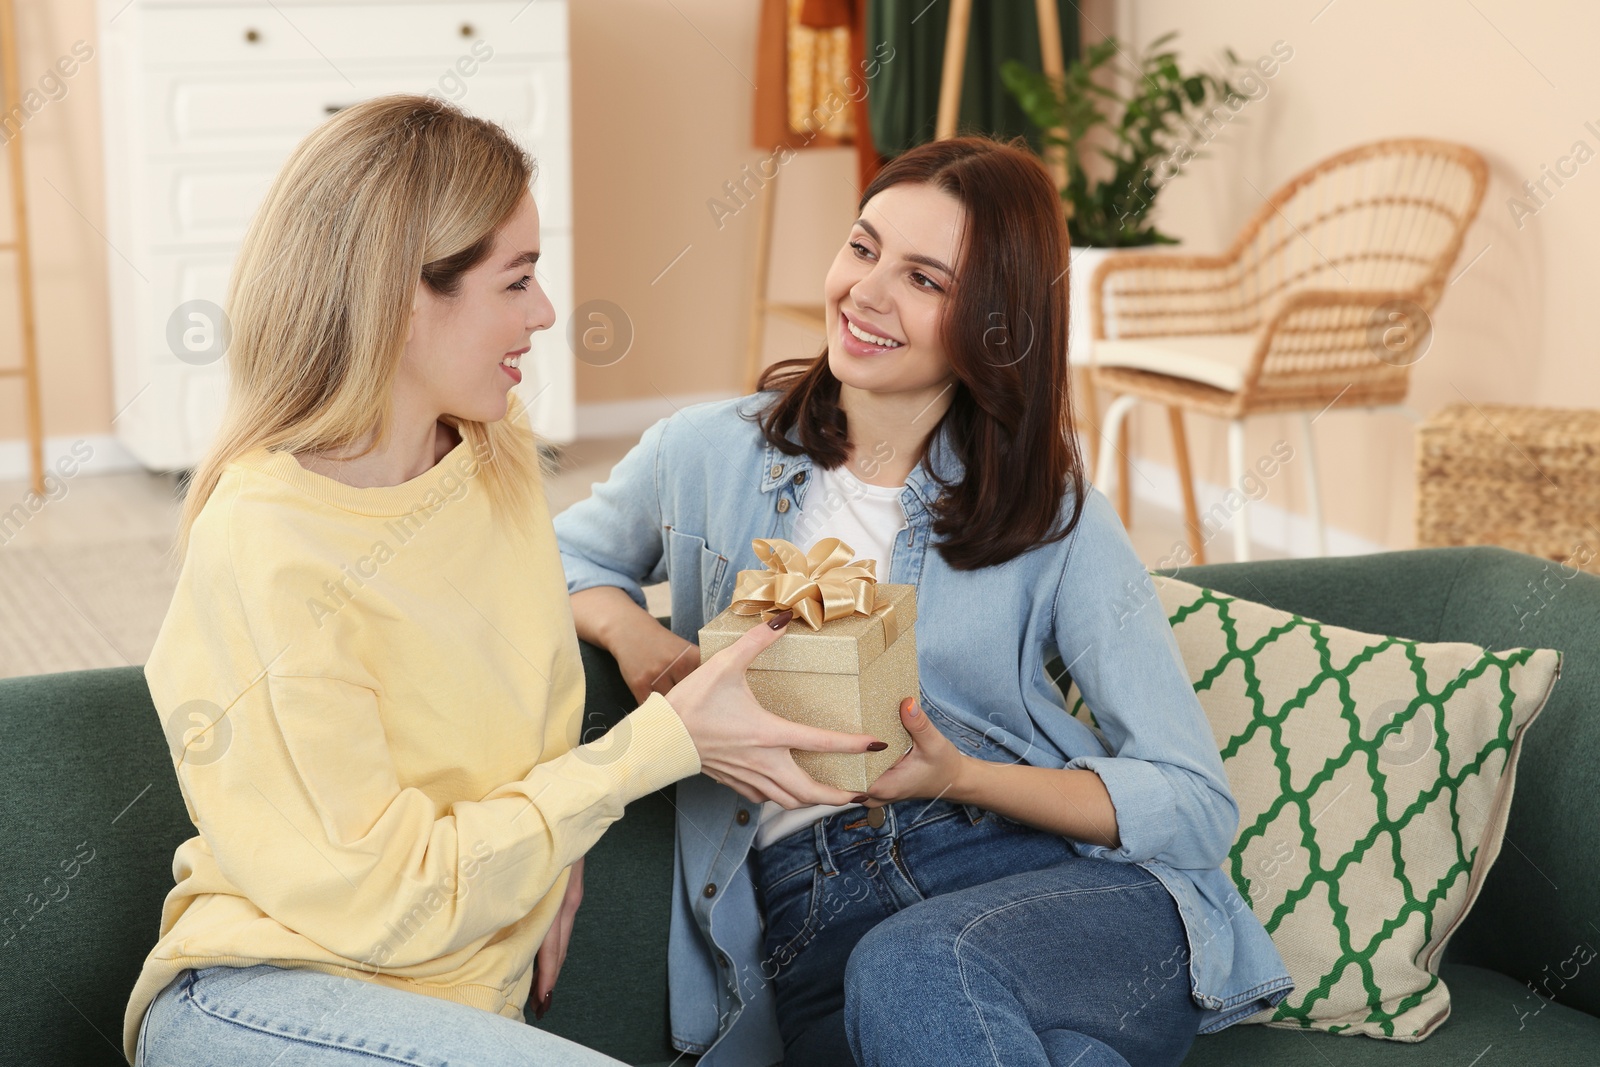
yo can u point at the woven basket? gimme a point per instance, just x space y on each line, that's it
1520 477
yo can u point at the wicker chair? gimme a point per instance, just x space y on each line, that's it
1323 298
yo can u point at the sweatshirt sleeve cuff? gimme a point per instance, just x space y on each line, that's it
658 749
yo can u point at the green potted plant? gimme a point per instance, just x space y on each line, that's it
1133 132
1132 139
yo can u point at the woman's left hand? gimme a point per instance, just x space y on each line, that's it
553 950
929 770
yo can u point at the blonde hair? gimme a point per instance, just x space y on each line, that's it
387 192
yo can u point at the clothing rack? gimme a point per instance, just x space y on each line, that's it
955 56
1055 159
812 316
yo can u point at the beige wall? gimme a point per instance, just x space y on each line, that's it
662 100
662 97
66 205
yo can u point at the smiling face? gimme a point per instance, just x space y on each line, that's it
457 353
886 291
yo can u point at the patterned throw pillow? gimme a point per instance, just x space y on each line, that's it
1373 776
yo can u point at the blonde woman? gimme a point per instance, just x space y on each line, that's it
369 674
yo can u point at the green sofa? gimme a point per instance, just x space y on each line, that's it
83 766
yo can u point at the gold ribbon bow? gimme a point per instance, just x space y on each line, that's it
819 586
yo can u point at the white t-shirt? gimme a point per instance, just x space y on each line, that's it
868 518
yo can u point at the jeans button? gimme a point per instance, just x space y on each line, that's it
874 817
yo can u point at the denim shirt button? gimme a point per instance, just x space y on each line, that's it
711 889
783 504
800 478
776 470
743 817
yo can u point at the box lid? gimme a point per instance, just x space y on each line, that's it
843 646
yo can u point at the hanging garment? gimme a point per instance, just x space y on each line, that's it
813 77
904 97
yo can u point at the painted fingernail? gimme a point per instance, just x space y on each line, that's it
877 746
909 706
780 620
859 798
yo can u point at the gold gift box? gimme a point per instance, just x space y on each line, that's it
838 677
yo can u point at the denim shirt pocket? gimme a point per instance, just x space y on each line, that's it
692 562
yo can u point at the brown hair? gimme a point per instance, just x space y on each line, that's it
1005 333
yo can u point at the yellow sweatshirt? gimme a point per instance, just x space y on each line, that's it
374 698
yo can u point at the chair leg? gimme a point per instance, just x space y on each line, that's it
756 333
1124 478
1241 521
1089 407
1108 455
1319 525
1191 513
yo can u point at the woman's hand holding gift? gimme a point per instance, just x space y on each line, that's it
932 768
1073 803
746 747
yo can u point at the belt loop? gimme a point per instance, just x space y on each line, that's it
824 857
974 813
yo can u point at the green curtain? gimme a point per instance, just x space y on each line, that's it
903 101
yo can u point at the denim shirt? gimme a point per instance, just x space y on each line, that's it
685 503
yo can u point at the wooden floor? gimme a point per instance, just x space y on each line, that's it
86 580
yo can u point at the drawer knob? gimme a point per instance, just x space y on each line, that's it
252 35
466 29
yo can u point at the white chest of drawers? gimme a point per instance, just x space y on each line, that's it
204 99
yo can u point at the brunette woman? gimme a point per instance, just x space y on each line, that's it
1021 888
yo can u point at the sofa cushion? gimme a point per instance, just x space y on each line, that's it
611 994
1542 897
1373 776
84 772
1490 1011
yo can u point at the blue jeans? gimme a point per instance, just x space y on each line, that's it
954 935
296 1017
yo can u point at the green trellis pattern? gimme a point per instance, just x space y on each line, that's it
1373 775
